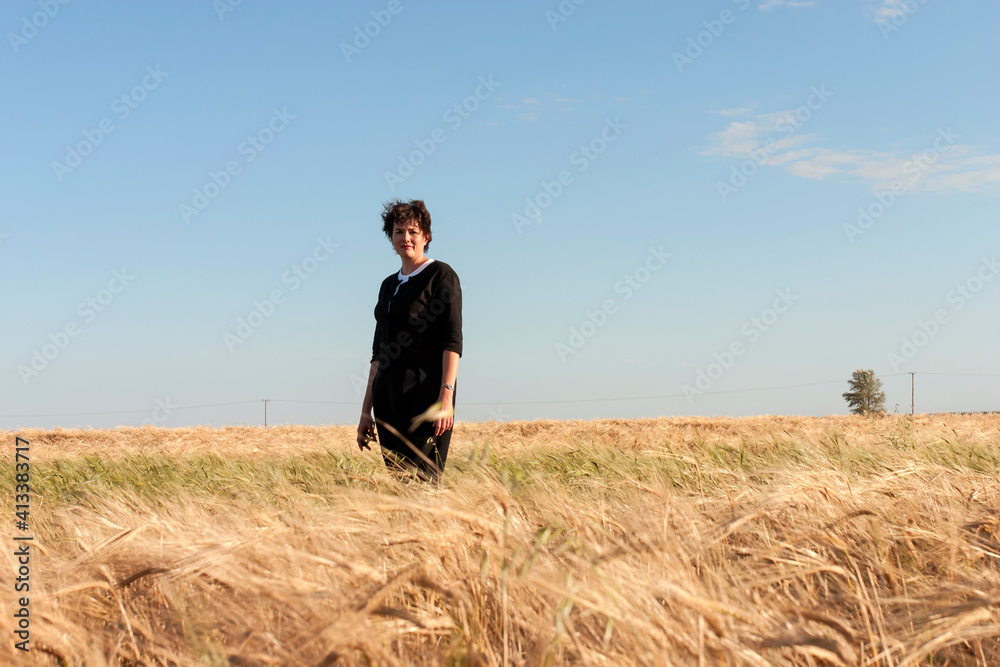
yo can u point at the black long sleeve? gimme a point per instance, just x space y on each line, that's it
378 336
420 320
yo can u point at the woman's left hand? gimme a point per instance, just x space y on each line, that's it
444 423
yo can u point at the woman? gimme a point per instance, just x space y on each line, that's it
415 352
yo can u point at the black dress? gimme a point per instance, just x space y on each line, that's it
418 317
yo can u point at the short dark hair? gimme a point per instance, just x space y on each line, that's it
396 212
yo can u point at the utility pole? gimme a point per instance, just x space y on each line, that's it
911 393
267 400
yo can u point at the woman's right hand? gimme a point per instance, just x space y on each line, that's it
366 432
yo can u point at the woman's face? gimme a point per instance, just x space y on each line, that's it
409 240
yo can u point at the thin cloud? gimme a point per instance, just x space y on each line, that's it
737 139
890 9
943 166
768 5
530 109
740 138
739 111
957 168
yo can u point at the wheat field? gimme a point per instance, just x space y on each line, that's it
671 541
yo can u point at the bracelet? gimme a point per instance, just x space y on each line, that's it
448 386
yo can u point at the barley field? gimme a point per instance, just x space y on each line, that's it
672 541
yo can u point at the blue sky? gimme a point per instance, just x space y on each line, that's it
652 207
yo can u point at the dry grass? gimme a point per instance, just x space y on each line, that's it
757 541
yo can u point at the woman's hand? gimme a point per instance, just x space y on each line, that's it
449 373
446 422
366 432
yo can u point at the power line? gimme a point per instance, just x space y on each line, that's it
644 398
568 400
125 412
283 400
985 375
600 400
626 398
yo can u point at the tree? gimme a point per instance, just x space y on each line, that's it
866 396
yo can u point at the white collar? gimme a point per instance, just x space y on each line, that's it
402 278
406 276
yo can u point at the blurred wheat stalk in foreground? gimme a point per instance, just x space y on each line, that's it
757 541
